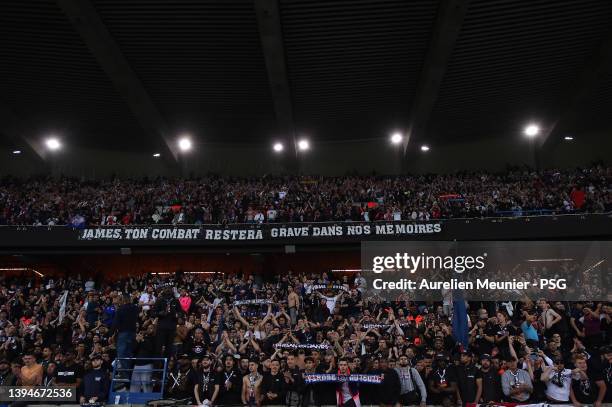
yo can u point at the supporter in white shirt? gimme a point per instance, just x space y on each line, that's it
558 381
331 301
259 217
397 214
271 214
147 299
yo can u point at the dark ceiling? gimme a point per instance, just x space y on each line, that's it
347 69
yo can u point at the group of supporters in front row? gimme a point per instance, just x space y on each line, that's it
465 378
298 340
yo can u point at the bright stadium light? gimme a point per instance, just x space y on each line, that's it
53 144
157 155
278 147
424 148
16 152
184 143
568 138
531 130
396 138
303 145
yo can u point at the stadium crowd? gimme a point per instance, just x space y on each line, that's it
243 340
213 199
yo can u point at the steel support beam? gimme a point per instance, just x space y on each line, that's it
98 39
271 36
445 33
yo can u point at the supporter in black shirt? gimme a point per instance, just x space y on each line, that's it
469 380
95 382
482 337
166 308
6 376
389 389
442 383
491 381
145 349
588 384
273 386
197 345
179 385
204 381
230 383
69 373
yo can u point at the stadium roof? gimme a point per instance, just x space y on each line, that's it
131 74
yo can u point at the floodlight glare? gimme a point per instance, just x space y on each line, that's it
278 147
53 144
396 138
156 155
424 148
532 130
184 144
17 152
303 145
568 138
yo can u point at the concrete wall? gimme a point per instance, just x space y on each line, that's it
324 158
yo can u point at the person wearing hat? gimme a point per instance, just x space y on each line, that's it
95 383
516 383
206 388
491 381
469 382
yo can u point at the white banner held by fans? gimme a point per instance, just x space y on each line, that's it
62 310
213 307
317 287
322 346
261 301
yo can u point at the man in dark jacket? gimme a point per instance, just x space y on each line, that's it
166 309
95 382
389 388
273 386
124 327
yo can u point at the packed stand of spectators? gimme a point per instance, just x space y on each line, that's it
210 200
237 340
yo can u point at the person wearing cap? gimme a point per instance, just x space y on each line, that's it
491 381
442 382
206 388
516 383
558 380
95 383
469 381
